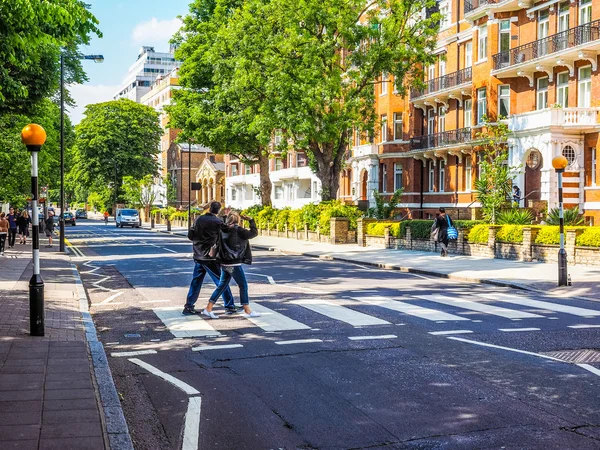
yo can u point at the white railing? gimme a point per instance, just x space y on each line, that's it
365 150
555 117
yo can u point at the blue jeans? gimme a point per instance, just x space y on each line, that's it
200 270
237 273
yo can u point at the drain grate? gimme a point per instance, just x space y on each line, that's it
585 355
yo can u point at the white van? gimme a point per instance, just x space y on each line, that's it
128 217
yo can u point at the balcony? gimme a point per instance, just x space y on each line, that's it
365 150
450 138
576 119
291 173
474 9
453 85
560 49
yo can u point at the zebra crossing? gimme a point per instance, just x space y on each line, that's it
344 311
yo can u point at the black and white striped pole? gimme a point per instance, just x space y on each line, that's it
33 137
560 163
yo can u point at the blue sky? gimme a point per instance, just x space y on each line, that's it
126 26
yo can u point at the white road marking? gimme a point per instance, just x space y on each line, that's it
299 341
109 299
155 301
510 330
215 347
339 312
442 333
191 430
273 321
169 250
138 353
589 368
368 338
165 376
576 311
484 344
302 288
268 277
412 310
583 326
184 326
479 307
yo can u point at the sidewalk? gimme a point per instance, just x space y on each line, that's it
504 272
49 388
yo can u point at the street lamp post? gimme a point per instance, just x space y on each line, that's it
34 136
189 184
61 219
560 163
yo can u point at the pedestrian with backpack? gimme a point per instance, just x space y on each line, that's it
446 230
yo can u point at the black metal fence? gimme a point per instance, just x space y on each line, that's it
452 137
444 82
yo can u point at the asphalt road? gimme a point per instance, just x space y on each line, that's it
345 356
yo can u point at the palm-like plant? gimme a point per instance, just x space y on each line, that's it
515 216
572 217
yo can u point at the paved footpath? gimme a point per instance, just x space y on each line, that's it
56 391
535 276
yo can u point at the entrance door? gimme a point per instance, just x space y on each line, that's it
533 177
363 185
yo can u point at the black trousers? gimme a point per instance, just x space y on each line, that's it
2 242
12 235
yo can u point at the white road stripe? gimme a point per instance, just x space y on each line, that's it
165 376
509 330
268 277
109 299
518 300
273 321
155 301
589 368
191 430
459 302
442 333
169 250
368 338
484 344
299 341
302 288
138 353
411 310
341 313
583 326
215 347
184 326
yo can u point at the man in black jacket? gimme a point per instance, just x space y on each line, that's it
204 235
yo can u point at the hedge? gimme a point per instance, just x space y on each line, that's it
510 233
589 238
479 234
420 229
377 229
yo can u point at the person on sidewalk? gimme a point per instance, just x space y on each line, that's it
442 222
23 222
204 235
49 230
233 251
3 232
12 227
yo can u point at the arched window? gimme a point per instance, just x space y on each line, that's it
569 153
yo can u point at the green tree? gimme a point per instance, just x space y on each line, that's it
116 139
383 209
140 193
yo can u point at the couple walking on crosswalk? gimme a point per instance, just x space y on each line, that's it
220 249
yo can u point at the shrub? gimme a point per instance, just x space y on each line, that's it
510 233
515 216
296 219
252 211
265 217
378 229
549 235
479 234
467 224
310 215
589 238
420 229
572 217
336 208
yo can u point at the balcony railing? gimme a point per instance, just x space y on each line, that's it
472 5
542 47
445 82
574 118
452 137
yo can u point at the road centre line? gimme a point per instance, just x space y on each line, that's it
299 341
191 430
216 347
442 333
510 330
138 353
589 368
368 338
165 376
583 326
516 350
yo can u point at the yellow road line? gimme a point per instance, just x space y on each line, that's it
74 248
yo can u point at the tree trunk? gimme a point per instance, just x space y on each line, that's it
329 158
265 180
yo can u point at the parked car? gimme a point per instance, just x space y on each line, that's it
81 214
128 217
69 218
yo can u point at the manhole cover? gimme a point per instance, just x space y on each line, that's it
585 355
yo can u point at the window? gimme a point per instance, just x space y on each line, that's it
442 68
562 89
357 137
278 137
468 171
397 176
431 73
441 120
314 189
431 176
278 193
234 194
398 126
563 17
594 167
468 112
542 93
384 83
383 178
585 12
430 121
278 164
384 125
301 160
469 54
543 45
584 94
504 38
248 169
569 153
503 101
445 13
482 44
289 187
481 105
442 175
234 170
534 159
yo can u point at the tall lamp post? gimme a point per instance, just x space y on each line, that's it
61 219
189 184
560 163
34 136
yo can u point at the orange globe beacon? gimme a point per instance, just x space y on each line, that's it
560 162
33 134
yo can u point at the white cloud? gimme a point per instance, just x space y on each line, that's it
155 31
88 94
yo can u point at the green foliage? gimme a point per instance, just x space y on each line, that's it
515 216
382 209
266 217
589 238
139 193
510 233
336 208
572 217
479 234
378 229
97 201
549 235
